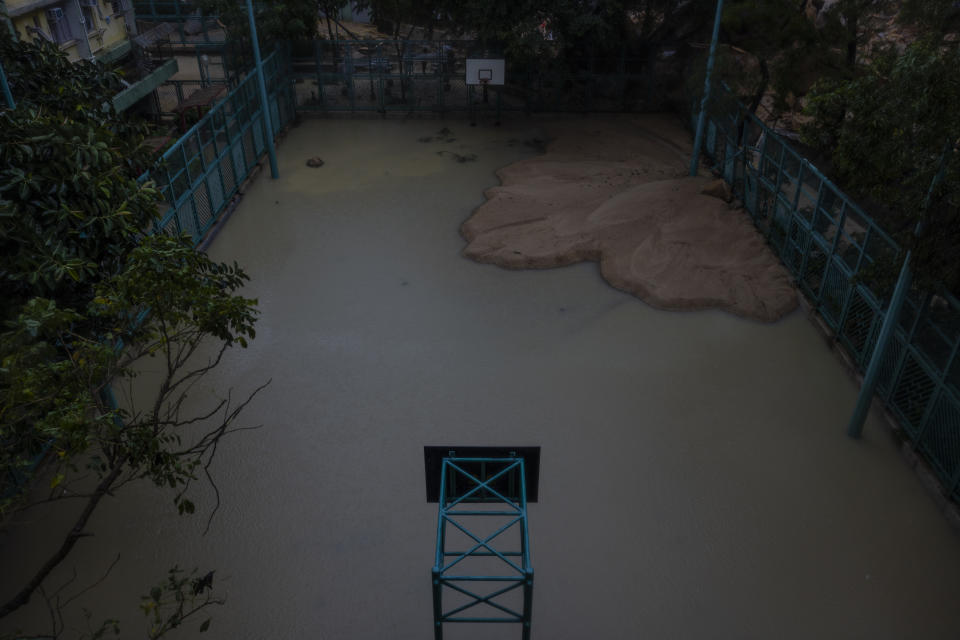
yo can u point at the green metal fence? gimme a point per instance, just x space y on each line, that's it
834 252
202 171
192 27
165 9
410 76
174 92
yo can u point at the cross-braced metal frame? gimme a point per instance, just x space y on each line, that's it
498 485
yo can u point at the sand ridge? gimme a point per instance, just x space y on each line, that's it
614 191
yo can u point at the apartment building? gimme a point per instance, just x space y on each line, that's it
95 30
84 29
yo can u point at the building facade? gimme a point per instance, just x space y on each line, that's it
84 29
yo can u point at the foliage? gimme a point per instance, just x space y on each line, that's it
848 24
175 600
561 31
69 207
514 27
277 20
392 16
887 130
42 77
54 394
87 299
788 49
937 18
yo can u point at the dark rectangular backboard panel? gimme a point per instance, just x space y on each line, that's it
433 464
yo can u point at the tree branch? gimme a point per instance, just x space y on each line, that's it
77 532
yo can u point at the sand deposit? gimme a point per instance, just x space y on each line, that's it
614 191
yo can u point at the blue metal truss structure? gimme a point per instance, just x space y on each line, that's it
488 495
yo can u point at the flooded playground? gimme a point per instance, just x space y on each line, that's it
696 480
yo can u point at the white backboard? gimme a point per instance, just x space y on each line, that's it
490 69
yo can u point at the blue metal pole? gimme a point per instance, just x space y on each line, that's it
264 103
6 89
5 17
872 376
890 320
527 562
702 118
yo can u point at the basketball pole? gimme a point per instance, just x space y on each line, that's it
702 117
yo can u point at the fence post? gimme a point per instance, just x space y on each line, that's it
380 64
892 317
8 96
872 376
318 59
264 103
701 119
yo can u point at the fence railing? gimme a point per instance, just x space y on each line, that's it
164 9
199 174
411 75
191 26
835 252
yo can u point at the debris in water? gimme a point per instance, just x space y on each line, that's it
315 161
444 135
469 157
536 144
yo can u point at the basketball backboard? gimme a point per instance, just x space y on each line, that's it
489 71
433 465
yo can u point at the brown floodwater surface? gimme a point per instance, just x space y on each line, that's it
696 479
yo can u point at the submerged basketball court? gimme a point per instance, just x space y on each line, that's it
695 478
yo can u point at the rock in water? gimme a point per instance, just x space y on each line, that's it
315 161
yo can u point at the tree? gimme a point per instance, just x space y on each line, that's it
851 25
936 18
785 43
69 211
55 386
393 16
277 20
889 131
330 10
87 295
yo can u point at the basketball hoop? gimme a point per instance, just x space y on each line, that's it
485 71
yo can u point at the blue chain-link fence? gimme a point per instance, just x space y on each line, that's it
202 171
191 27
835 253
411 76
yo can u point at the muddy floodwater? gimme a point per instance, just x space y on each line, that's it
696 481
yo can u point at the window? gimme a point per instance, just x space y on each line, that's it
88 19
118 6
59 26
36 29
